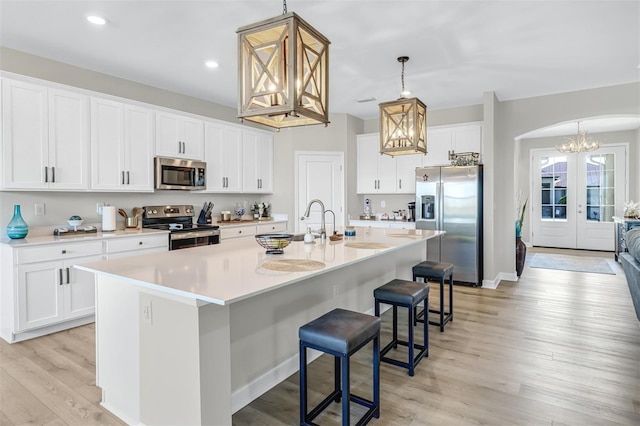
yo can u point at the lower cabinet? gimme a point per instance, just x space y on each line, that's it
250 230
51 292
40 290
135 246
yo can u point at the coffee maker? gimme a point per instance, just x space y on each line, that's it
412 211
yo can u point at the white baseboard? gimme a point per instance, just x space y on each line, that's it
493 284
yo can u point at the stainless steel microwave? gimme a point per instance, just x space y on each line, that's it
180 174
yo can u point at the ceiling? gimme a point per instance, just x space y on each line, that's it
458 49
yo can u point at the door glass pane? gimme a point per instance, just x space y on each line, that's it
553 178
600 188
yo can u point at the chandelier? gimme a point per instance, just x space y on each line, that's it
580 143
403 123
283 72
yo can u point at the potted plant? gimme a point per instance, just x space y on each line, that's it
521 248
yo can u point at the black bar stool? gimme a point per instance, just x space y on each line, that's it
436 271
340 333
407 294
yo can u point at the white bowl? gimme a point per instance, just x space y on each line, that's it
75 223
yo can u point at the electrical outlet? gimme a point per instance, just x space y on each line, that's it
146 313
39 209
383 204
99 207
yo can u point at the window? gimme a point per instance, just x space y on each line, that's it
553 174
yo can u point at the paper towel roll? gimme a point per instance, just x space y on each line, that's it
108 218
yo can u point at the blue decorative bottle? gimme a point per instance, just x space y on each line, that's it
17 228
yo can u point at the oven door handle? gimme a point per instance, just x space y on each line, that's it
199 234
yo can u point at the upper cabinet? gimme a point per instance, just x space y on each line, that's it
223 155
179 136
442 139
257 154
383 174
121 147
44 137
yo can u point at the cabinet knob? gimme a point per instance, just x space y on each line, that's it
139 243
239 232
64 252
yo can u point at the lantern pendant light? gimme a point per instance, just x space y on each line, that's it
283 66
403 124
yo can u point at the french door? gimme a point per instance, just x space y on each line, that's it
575 196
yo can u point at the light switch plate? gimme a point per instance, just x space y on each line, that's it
39 209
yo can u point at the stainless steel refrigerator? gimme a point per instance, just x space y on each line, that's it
449 198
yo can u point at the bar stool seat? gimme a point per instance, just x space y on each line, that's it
340 333
436 271
406 294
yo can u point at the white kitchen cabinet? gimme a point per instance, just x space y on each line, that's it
251 229
223 155
406 172
376 173
45 133
383 174
121 147
257 154
442 139
179 136
49 290
135 245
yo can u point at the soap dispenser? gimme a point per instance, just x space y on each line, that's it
308 237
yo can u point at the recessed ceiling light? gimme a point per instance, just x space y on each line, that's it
211 64
97 20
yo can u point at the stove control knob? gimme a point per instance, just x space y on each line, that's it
188 210
154 211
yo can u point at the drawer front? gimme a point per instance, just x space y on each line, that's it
59 251
243 231
137 243
270 228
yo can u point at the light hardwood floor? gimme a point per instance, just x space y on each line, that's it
554 348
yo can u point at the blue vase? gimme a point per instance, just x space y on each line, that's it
17 228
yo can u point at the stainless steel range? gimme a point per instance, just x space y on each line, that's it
178 220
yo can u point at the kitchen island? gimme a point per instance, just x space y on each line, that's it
191 336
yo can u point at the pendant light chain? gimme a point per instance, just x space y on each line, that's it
284 7
402 77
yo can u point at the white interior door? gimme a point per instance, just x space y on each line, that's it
575 196
320 175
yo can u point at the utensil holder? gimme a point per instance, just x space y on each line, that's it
131 222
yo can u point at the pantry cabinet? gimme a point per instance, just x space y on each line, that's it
223 155
179 136
257 155
44 137
121 147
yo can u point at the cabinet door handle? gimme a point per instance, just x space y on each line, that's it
53 174
60 276
122 172
68 280
179 147
127 177
400 183
46 174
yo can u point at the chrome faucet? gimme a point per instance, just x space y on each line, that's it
334 220
323 230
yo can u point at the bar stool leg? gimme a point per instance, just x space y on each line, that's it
345 391
303 382
451 297
336 378
410 324
376 376
442 304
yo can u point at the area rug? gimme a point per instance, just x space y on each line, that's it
565 262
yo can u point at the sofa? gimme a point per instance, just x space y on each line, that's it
631 266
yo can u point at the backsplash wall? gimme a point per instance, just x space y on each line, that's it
60 205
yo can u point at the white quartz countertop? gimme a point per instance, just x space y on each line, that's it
52 239
231 271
